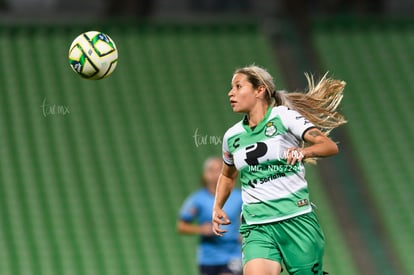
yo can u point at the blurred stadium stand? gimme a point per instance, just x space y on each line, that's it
97 191
376 58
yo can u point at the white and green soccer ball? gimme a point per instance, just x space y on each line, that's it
93 55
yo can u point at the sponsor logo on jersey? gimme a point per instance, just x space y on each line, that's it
254 182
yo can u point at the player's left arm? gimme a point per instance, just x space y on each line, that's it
320 146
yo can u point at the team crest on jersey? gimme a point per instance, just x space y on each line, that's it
271 129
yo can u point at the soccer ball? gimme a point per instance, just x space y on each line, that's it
93 55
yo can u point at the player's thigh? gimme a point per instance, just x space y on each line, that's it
261 266
258 242
303 253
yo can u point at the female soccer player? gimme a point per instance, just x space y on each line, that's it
215 257
267 148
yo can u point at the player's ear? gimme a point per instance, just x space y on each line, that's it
261 91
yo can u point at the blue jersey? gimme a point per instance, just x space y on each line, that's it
214 250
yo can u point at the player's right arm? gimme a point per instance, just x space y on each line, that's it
225 185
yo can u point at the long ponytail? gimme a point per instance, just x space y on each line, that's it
319 104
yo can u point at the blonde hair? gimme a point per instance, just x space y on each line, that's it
259 76
318 105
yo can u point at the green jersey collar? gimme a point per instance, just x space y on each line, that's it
259 125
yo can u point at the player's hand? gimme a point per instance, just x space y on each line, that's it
294 154
219 218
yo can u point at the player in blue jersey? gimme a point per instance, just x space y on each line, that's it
267 149
215 256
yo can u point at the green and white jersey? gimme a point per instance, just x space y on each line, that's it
272 190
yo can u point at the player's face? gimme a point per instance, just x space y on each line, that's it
242 94
212 171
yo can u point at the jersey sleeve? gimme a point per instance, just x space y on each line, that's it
227 155
189 209
296 123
